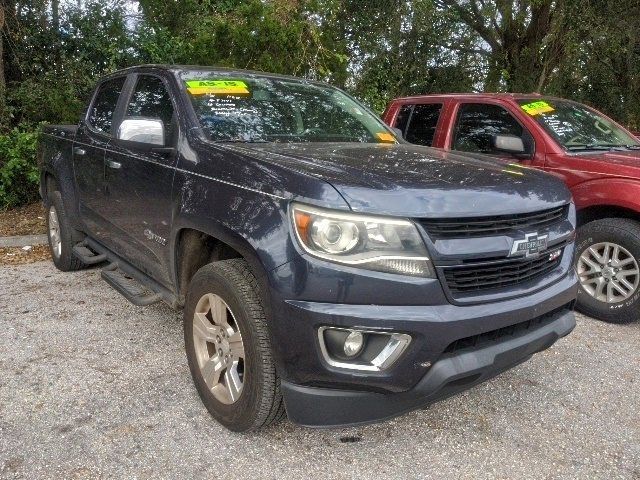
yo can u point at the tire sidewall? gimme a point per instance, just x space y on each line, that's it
620 312
63 262
239 415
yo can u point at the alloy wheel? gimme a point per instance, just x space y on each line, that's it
219 348
54 232
608 272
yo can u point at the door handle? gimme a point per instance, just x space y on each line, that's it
114 165
79 151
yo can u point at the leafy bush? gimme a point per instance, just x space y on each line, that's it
19 175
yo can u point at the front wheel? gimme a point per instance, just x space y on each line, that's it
61 235
229 349
607 264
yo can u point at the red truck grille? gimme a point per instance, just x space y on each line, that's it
500 273
497 225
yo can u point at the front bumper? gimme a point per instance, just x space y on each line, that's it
324 407
319 394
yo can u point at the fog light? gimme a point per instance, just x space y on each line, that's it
353 343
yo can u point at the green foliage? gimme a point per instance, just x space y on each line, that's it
19 174
584 50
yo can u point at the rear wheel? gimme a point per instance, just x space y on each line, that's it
607 264
62 237
229 349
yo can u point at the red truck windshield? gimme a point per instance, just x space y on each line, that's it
577 127
234 108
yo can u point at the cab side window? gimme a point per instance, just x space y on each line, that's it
402 119
150 99
104 105
478 123
422 124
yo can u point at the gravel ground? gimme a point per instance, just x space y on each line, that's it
93 387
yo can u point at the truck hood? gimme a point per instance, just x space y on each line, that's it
416 181
628 161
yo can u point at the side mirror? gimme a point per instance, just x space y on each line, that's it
507 143
142 130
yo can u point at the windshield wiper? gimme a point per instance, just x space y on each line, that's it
239 140
590 146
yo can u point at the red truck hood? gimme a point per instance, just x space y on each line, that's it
625 164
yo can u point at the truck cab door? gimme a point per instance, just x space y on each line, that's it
478 124
139 170
420 123
91 142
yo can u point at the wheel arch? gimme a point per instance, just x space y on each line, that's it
607 198
195 244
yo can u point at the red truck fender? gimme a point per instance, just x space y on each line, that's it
616 192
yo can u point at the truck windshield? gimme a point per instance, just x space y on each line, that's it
577 127
234 108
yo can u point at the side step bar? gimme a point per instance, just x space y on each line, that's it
131 283
87 256
129 288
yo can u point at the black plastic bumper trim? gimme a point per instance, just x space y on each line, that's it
324 407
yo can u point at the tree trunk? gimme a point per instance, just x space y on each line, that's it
3 81
55 15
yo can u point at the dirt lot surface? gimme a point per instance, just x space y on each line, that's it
21 255
93 387
27 220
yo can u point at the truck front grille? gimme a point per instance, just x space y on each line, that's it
500 273
497 225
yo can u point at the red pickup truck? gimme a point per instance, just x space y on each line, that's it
597 158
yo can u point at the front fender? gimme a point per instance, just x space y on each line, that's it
624 193
254 224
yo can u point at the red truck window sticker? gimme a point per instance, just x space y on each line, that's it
217 87
536 108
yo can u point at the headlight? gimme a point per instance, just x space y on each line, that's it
376 243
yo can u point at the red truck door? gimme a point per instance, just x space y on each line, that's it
420 123
472 124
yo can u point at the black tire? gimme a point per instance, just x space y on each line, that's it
260 402
64 260
625 233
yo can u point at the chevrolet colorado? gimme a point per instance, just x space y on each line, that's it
325 269
596 158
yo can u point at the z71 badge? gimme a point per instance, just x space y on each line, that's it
531 246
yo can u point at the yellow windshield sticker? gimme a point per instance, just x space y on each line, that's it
386 137
217 87
536 108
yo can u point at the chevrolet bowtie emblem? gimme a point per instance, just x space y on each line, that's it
531 246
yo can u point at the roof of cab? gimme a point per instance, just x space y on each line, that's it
476 96
202 68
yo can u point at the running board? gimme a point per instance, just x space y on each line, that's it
86 255
128 287
133 284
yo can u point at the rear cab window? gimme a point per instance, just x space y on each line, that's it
102 110
419 122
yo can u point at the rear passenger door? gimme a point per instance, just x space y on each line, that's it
139 177
419 123
94 133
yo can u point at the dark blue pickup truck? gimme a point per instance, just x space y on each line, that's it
326 268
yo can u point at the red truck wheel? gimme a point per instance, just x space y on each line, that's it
607 264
